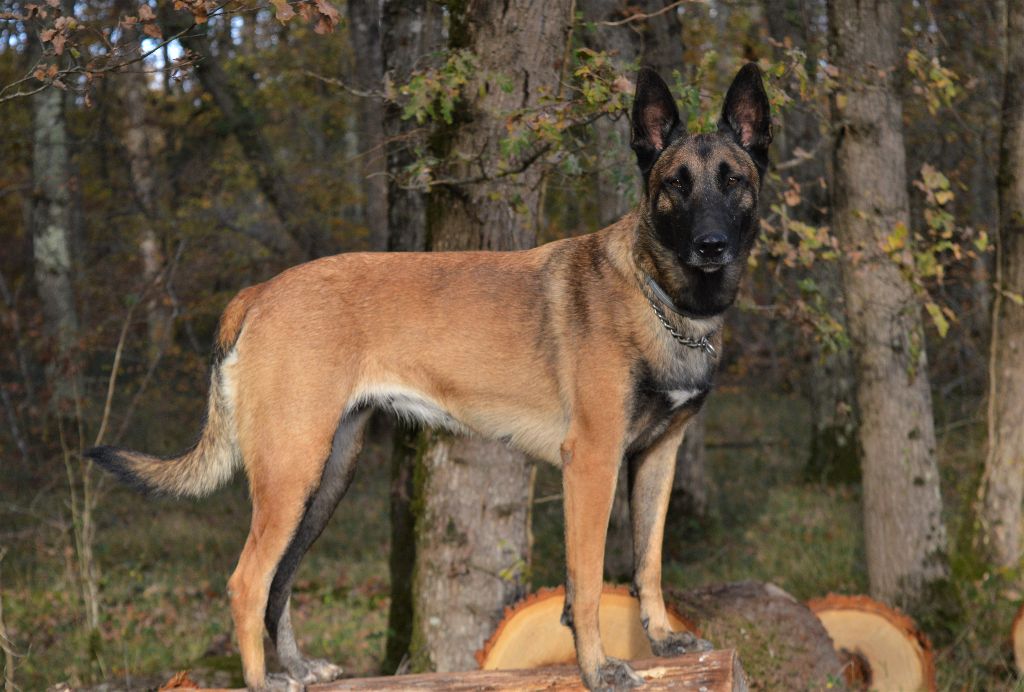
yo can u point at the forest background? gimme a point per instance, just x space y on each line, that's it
866 431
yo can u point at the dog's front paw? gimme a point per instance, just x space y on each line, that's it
678 643
612 675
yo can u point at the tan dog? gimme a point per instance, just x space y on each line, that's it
588 353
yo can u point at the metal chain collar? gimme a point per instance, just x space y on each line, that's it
702 343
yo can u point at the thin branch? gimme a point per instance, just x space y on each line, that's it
112 380
334 81
640 16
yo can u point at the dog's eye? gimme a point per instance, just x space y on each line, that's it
732 180
676 183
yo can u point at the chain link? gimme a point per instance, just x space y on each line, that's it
701 343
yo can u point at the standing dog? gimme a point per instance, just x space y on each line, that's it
587 352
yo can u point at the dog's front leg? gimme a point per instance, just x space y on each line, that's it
589 473
651 486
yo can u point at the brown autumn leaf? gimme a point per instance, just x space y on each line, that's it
152 30
284 11
39 74
328 12
146 13
47 35
308 12
180 680
58 43
53 3
128 22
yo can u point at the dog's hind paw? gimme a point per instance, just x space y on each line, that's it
313 670
612 675
679 643
279 682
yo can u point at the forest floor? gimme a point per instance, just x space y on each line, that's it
164 564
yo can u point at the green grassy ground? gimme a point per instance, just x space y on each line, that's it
165 564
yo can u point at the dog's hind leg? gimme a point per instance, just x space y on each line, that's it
337 476
293 498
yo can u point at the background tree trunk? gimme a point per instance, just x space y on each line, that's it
830 387
51 238
368 70
473 495
411 31
1003 481
905 536
142 144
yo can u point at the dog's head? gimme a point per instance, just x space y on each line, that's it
699 214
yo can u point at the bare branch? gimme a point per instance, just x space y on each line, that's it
640 16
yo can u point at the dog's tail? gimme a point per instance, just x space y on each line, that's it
215 456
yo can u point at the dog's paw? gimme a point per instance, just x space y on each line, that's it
280 682
679 643
611 676
313 670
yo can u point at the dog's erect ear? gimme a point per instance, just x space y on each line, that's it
655 119
747 116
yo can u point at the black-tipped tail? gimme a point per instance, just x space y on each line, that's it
117 462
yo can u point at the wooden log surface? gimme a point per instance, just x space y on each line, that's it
714 671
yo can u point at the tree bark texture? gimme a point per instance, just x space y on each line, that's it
1003 480
904 532
411 33
51 235
473 496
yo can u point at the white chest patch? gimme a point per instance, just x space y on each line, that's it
679 397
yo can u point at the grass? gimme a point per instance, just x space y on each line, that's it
164 564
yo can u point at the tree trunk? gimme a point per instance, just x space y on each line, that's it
905 536
51 237
474 495
1003 481
142 144
368 71
410 33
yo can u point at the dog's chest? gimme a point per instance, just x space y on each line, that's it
659 395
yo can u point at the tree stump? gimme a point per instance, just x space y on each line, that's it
532 635
881 648
782 644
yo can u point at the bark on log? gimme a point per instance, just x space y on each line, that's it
715 671
782 644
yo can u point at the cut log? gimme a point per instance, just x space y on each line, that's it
532 635
714 671
880 647
782 644
1017 637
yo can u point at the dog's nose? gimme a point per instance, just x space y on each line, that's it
711 246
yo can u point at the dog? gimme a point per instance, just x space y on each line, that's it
587 352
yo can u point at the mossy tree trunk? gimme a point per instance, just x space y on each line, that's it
472 496
1002 489
904 531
